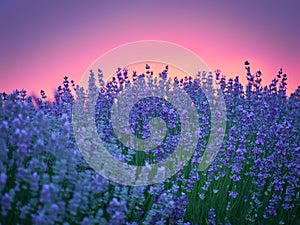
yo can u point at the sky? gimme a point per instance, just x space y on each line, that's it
42 41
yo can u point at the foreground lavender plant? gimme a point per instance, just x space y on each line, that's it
254 179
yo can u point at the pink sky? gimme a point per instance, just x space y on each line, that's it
43 42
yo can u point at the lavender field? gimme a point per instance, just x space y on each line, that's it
254 179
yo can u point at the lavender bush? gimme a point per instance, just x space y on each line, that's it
254 179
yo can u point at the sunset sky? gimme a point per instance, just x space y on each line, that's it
42 41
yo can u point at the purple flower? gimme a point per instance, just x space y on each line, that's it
233 194
235 177
48 193
40 218
3 179
6 202
212 216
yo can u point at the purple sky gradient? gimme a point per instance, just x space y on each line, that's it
41 41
